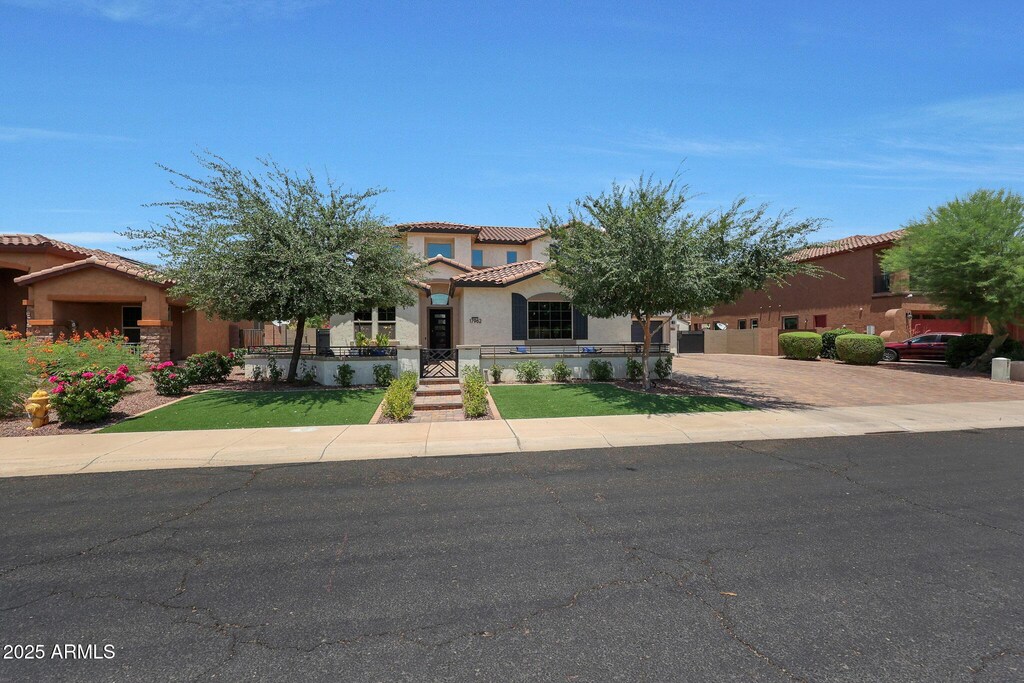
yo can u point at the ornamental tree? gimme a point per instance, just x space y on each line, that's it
277 245
640 251
968 256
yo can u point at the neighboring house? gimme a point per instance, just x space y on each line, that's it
485 285
48 287
855 293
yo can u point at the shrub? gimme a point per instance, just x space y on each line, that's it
474 394
383 375
382 339
88 396
398 399
343 375
306 374
274 371
496 373
257 373
860 349
634 369
91 351
828 341
237 357
528 371
16 383
561 372
663 367
800 345
211 367
961 351
169 380
600 370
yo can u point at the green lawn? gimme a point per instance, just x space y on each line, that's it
577 400
237 409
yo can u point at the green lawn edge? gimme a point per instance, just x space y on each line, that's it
519 402
249 409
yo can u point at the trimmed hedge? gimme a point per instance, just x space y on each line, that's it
398 399
828 341
474 394
961 351
800 345
860 349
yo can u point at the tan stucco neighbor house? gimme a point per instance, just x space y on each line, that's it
485 285
49 287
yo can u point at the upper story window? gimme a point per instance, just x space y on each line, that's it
439 249
511 256
478 258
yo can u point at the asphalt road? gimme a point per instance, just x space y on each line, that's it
889 557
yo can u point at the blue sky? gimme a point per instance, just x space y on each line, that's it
863 113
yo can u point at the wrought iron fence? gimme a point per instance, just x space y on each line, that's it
570 350
325 351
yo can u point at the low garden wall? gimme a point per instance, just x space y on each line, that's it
579 363
326 367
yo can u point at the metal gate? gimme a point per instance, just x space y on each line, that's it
690 342
437 363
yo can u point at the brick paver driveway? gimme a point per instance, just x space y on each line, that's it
781 383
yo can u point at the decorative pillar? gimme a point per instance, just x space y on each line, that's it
155 339
40 328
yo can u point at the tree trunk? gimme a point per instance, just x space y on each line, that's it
1000 334
646 355
293 367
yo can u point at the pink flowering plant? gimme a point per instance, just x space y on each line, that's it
89 395
169 380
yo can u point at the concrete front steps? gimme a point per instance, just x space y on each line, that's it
437 393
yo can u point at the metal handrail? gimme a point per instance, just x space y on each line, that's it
630 349
336 351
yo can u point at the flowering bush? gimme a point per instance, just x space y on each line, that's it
87 396
88 351
169 380
210 367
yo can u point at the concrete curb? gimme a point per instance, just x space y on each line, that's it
88 452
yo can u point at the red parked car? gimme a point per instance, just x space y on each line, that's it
931 346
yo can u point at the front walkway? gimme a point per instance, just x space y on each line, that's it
770 381
86 453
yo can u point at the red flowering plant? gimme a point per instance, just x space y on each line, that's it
169 380
87 395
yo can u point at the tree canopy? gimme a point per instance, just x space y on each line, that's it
277 245
640 251
968 256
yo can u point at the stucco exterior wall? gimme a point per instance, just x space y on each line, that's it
95 285
407 323
844 295
492 306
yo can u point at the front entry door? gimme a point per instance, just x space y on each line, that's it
440 328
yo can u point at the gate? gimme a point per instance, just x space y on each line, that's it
438 363
690 342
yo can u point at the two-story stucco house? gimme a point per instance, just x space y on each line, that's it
485 285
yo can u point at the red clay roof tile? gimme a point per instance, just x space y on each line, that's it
499 276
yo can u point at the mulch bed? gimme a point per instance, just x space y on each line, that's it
143 397
665 387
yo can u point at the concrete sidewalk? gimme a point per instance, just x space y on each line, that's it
85 453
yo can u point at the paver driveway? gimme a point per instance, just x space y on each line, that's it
777 382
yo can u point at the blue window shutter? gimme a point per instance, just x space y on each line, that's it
518 316
579 324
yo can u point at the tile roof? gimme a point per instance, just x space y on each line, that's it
448 261
91 258
493 234
499 276
852 243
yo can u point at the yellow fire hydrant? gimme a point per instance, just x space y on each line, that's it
38 409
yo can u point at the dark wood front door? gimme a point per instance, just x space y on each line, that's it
440 328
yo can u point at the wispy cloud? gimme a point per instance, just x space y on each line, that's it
658 141
188 13
22 134
979 140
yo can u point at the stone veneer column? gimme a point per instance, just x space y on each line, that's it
39 328
155 336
